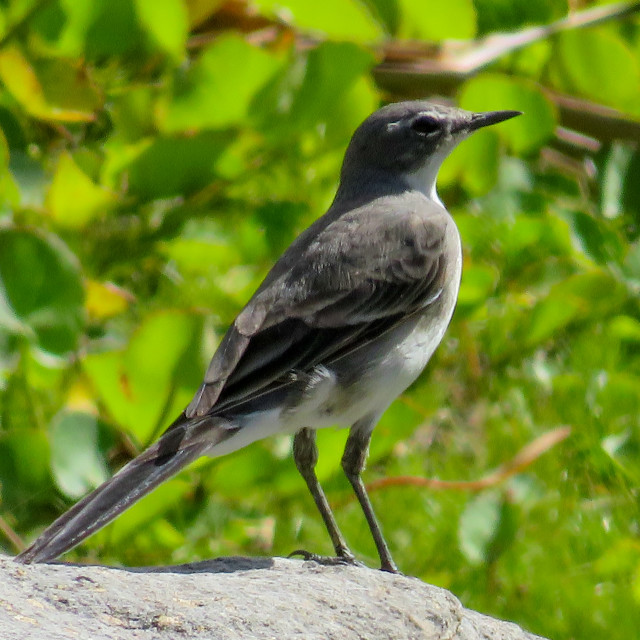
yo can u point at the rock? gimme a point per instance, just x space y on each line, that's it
229 599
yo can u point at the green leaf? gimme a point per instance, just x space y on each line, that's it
585 295
217 92
506 15
624 450
24 466
477 284
49 89
598 65
493 92
40 282
337 19
473 164
614 175
625 328
487 527
332 72
113 29
135 383
478 526
167 24
436 20
9 193
73 198
166 167
77 17
597 238
631 187
76 461
619 560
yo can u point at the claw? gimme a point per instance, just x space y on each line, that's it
327 561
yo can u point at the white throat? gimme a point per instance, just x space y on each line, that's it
424 179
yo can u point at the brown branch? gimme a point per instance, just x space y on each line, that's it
466 60
595 120
524 458
442 73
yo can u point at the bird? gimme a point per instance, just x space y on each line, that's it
346 319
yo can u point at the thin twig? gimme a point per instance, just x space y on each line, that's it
464 61
11 535
524 458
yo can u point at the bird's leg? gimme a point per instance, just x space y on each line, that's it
305 454
353 463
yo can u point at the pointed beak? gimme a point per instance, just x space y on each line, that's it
487 118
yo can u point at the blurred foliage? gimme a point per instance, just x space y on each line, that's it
156 158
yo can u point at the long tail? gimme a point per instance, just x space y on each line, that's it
185 441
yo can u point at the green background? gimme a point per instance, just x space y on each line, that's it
157 157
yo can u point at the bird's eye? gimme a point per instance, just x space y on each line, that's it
425 125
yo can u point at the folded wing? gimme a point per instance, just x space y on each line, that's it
346 287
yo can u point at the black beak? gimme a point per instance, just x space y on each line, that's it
487 118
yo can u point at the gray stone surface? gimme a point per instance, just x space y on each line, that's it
229 599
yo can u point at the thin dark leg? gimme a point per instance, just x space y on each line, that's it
353 462
305 454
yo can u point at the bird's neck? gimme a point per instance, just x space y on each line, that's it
367 185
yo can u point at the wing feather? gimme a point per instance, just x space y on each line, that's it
359 277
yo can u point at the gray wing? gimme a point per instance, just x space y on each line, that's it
355 280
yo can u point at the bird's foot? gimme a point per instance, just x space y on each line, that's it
390 567
345 558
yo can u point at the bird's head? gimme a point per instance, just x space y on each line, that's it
410 140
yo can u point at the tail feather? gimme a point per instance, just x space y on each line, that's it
180 445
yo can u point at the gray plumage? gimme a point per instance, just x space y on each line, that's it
345 320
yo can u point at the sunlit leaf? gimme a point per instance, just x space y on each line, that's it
77 19
200 10
619 560
21 80
166 167
625 328
9 193
332 70
105 300
73 198
135 383
478 283
586 60
202 96
166 22
436 21
49 89
355 23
